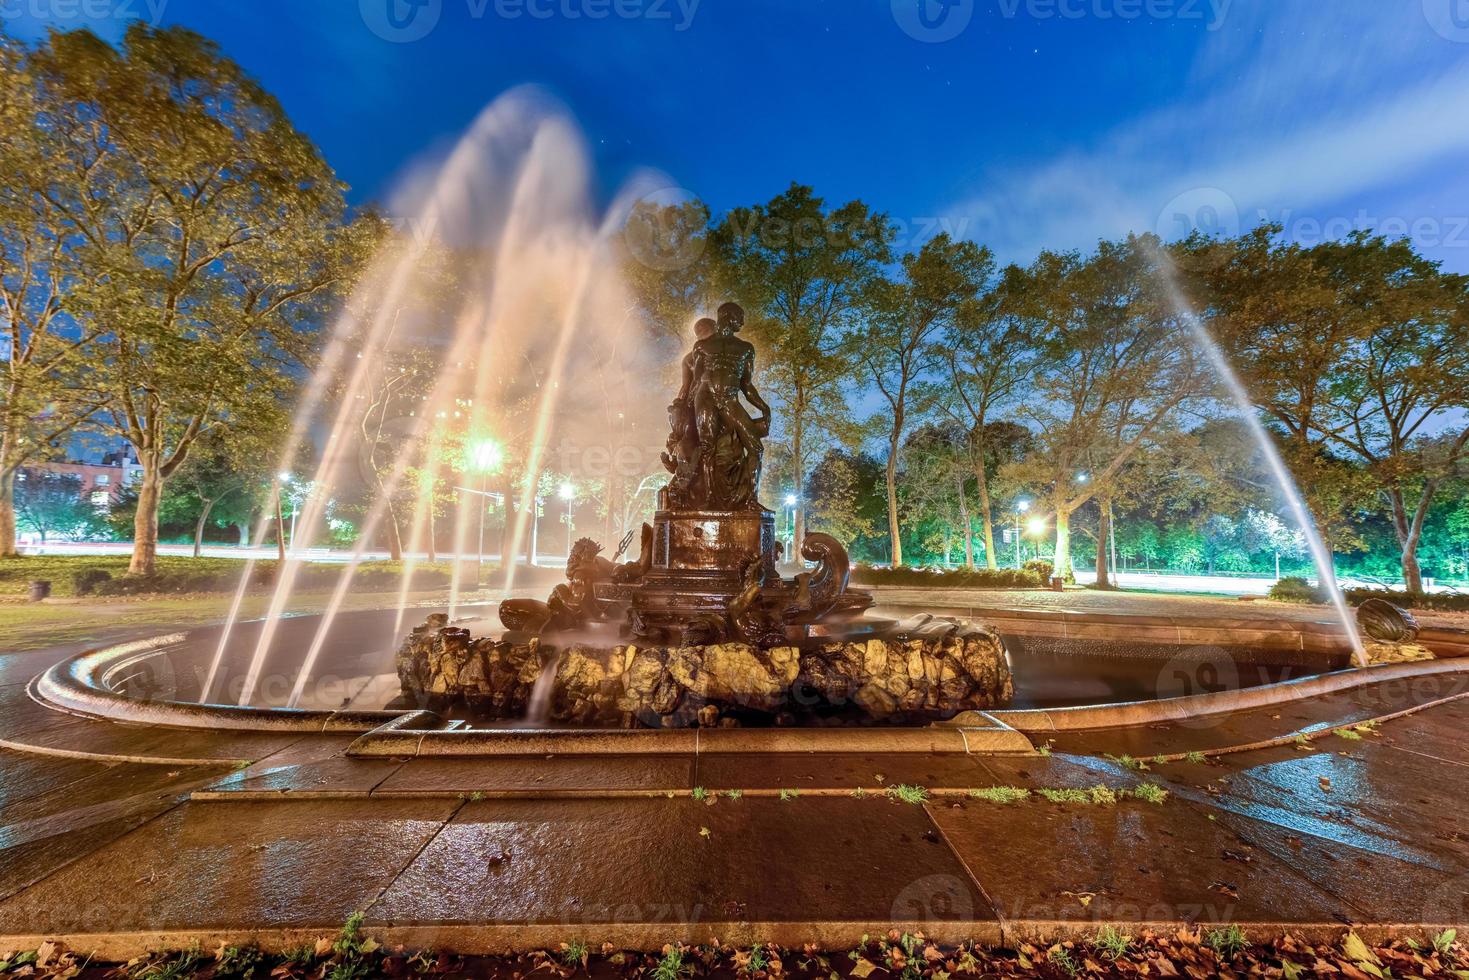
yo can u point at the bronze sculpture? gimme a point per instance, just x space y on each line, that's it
707 572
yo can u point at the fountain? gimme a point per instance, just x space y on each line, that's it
702 629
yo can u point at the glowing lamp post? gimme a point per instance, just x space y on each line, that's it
1021 506
485 457
568 494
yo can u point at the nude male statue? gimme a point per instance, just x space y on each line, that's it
722 369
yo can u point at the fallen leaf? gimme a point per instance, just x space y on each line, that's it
862 968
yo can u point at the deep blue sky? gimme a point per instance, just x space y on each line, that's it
1043 122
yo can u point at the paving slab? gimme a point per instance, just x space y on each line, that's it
841 772
247 864
598 863
23 777
52 829
1046 865
542 775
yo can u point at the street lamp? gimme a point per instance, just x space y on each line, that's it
485 457
1021 506
568 494
790 502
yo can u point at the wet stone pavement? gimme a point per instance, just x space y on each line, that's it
496 853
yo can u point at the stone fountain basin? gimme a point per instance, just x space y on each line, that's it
868 671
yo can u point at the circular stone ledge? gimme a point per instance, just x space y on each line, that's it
1040 721
83 685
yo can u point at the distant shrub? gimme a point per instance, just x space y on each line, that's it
959 578
1292 588
84 581
1042 568
1440 601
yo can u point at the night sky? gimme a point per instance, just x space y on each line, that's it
1039 123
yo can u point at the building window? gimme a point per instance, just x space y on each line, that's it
103 479
101 500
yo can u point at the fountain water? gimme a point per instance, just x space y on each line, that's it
1289 492
474 323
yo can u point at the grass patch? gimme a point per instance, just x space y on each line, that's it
1128 762
1112 943
903 793
1150 793
1096 796
1000 794
787 795
1228 942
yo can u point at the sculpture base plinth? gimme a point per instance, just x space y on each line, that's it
698 566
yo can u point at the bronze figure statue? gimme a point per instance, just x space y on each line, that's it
707 570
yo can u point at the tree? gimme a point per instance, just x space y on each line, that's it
219 468
213 232
937 467
801 269
893 344
987 353
46 392
1391 397
845 500
1114 365
51 503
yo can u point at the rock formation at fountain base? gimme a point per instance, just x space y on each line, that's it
929 670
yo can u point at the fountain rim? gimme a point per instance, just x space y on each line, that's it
82 685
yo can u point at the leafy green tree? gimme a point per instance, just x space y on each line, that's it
801 269
220 468
846 499
986 355
1114 367
894 343
46 389
53 504
1392 399
213 234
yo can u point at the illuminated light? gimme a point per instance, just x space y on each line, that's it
284 477
790 500
567 491
486 455
1022 505
1036 526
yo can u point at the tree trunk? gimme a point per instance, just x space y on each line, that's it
280 527
7 516
243 527
145 522
199 526
892 490
1061 564
986 515
1409 534
798 519
968 529
433 547
1104 528
395 537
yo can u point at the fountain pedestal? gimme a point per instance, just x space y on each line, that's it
699 564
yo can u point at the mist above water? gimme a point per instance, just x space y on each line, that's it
495 315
